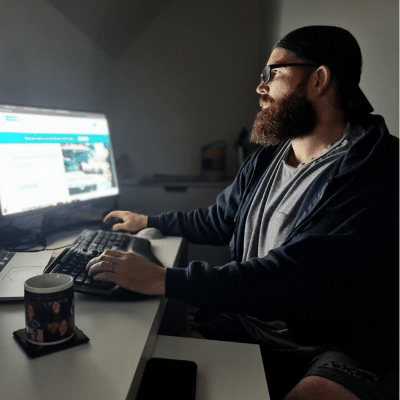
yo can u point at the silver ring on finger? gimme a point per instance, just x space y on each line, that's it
113 267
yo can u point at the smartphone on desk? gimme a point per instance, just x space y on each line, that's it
168 379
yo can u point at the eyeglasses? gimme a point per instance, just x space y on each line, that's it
266 74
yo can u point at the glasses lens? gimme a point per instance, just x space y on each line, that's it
265 75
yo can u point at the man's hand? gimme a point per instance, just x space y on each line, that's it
131 222
129 271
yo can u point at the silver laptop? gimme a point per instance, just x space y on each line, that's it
16 268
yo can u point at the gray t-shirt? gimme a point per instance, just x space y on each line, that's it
280 195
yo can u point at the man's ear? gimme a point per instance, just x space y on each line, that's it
321 80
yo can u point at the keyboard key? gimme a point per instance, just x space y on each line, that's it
56 268
80 278
69 254
88 281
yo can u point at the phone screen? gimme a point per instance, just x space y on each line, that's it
168 379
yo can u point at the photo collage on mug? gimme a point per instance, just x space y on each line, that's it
49 319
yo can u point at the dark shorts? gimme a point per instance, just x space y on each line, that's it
285 368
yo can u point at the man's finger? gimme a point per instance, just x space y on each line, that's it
102 266
114 214
106 276
109 258
112 253
92 262
119 226
114 278
108 255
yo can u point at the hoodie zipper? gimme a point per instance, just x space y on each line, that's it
241 206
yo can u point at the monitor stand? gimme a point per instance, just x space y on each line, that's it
12 236
78 216
54 222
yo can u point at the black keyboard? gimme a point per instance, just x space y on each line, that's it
91 243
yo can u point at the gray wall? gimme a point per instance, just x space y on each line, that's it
45 60
189 78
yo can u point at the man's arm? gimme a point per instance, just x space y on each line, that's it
338 254
214 225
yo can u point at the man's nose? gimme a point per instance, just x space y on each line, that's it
262 88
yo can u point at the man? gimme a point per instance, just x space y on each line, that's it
312 220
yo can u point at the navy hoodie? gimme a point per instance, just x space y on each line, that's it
335 278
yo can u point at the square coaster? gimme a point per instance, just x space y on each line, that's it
33 350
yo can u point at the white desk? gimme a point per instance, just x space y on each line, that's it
225 370
109 366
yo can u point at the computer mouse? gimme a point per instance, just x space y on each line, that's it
150 233
106 226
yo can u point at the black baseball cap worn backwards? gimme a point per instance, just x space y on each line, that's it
337 49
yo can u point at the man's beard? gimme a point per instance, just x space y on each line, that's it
290 118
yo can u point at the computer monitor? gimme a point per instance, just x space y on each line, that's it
51 158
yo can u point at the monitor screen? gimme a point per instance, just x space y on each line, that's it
51 157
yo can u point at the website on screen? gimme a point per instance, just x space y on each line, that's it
50 160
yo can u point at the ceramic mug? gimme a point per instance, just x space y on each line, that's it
49 309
